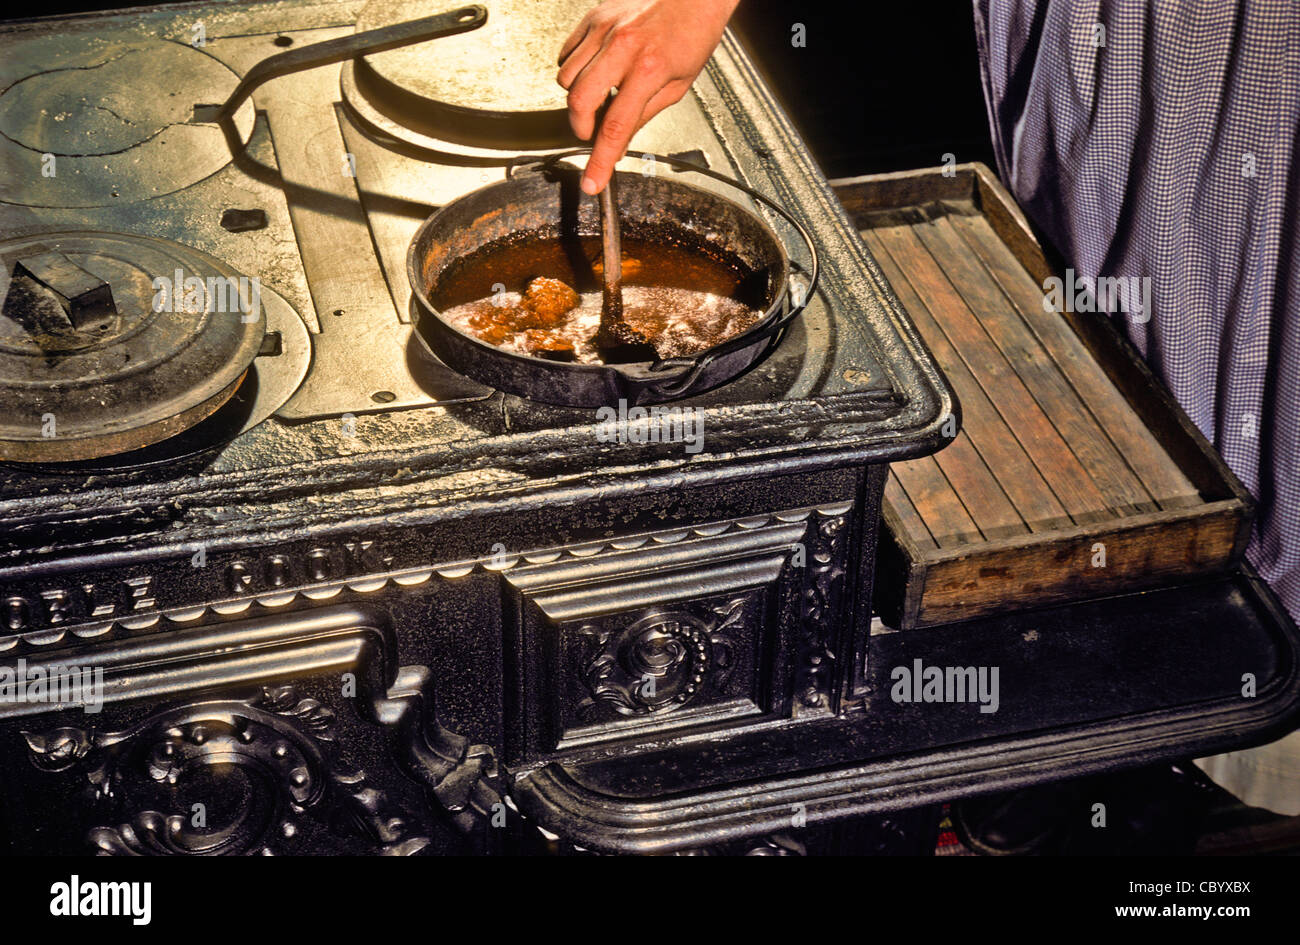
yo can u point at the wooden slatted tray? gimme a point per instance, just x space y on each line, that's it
1074 474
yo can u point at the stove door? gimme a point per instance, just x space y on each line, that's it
239 737
724 624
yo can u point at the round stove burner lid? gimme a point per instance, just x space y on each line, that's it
497 81
96 121
110 342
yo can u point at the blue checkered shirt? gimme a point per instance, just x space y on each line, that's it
1159 140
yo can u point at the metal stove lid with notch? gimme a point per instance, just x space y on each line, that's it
84 121
110 342
456 92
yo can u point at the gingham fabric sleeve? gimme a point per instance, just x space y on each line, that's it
1165 148
1158 139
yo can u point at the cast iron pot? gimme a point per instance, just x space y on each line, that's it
543 199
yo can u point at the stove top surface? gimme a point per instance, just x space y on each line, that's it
318 199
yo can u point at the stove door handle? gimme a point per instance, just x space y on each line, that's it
343 48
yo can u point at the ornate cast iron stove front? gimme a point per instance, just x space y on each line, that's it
369 605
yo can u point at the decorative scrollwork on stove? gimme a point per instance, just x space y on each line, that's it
660 662
59 748
459 776
820 598
232 738
223 777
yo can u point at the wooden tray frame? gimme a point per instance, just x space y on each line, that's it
920 587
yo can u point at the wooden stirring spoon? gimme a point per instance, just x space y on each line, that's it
616 340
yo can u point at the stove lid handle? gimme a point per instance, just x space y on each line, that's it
460 20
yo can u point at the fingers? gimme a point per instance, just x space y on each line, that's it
583 44
612 146
579 58
670 94
576 37
621 121
590 89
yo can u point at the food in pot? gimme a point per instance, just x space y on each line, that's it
546 301
542 297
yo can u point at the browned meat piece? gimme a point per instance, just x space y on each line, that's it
544 344
493 323
631 268
549 300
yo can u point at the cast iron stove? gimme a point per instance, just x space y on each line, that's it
363 603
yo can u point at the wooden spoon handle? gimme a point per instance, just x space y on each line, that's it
611 309
617 340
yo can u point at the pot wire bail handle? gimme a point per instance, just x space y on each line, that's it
692 367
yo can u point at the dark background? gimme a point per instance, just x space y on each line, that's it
880 86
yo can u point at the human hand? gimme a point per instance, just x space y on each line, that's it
651 50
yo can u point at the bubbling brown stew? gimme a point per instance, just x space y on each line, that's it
542 296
